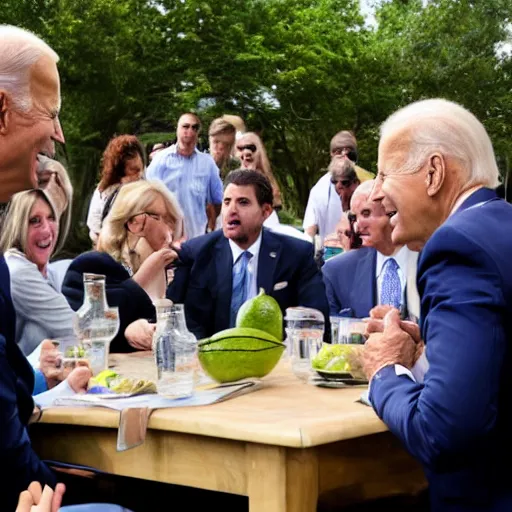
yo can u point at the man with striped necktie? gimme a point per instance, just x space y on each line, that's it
218 272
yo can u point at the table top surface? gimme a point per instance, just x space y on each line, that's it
284 412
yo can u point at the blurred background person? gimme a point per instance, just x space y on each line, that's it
123 162
343 239
192 176
133 252
251 152
322 211
238 123
221 138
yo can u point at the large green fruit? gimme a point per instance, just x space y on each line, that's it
239 338
262 312
233 365
239 353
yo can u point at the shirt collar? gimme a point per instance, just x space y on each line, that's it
400 257
463 197
174 150
254 249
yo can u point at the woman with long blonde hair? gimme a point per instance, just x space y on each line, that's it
134 251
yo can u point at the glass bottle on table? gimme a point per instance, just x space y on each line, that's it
96 323
174 347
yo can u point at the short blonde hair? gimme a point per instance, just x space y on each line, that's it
440 125
19 51
16 217
134 198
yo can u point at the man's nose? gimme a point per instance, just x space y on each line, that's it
59 134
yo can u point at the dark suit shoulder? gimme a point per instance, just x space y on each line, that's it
197 245
98 262
288 242
347 260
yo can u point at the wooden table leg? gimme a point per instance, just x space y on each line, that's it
281 479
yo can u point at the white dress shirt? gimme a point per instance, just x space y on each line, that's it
254 249
401 258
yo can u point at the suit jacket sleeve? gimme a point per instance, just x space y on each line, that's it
177 290
450 415
332 298
21 464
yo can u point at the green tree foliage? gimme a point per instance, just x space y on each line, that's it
297 71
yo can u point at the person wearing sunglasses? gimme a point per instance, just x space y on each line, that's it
191 175
251 152
322 211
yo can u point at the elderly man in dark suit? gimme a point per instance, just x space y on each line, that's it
437 170
29 124
221 270
381 272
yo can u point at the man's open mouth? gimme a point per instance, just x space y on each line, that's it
232 223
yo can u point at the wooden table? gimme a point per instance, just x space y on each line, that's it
283 446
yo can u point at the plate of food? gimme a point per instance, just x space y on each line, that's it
340 364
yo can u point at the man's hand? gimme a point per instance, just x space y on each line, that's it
391 346
49 363
36 500
78 379
139 334
376 323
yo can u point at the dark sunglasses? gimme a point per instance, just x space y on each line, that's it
250 147
194 127
345 183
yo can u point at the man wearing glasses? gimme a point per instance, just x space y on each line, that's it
190 174
323 210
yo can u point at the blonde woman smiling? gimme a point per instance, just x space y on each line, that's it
133 253
30 234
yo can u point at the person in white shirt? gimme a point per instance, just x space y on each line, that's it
322 211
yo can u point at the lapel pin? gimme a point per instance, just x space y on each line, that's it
273 254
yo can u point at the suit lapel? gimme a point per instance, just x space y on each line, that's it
224 281
270 251
363 294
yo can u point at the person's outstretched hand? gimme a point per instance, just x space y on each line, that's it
34 499
78 379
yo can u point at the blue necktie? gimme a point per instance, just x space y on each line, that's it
391 290
241 281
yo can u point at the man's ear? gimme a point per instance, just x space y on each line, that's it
267 211
436 174
4 112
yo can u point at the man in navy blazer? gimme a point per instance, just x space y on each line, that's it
283 266
29 124
436 171
353 280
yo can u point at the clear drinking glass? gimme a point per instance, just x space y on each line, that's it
304 338
350 331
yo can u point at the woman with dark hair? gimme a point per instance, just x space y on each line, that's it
123 162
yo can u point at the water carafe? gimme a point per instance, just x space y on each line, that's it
304 339
95 323
175 351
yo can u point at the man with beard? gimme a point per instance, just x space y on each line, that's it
437 172
221 270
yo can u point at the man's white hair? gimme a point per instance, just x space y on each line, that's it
365 189
448 128
19 50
